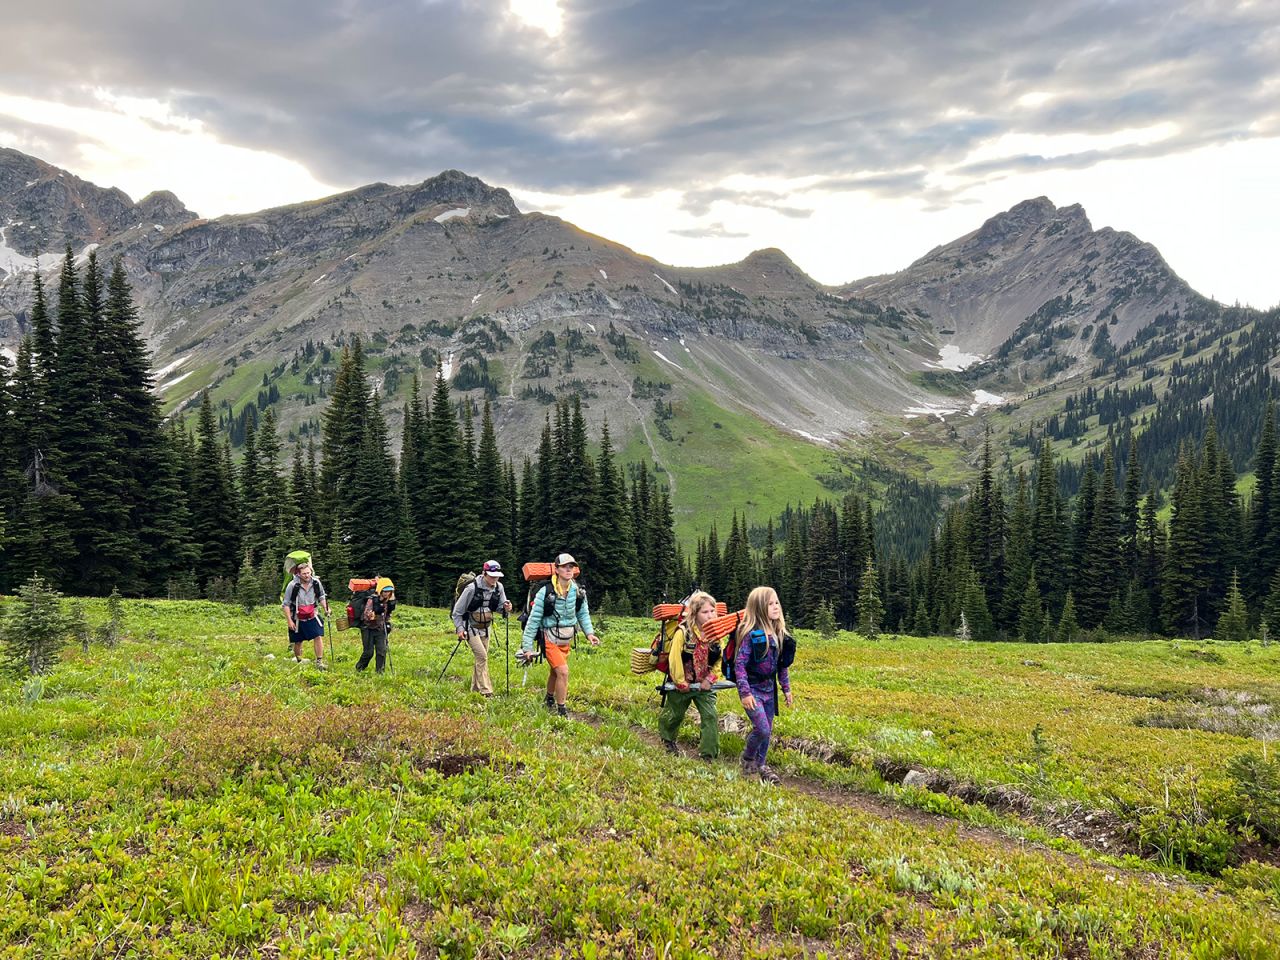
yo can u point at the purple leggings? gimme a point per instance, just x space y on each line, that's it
757 748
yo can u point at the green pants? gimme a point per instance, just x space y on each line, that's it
677 706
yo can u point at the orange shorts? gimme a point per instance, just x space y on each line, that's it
558 654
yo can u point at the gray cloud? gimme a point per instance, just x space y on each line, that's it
717 230
864 96
699 201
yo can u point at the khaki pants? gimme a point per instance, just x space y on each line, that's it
478 641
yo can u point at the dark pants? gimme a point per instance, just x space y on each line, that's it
374 639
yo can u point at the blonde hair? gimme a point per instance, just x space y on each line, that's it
757 614
697 600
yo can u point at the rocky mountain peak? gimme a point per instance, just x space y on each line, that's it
1032 260
163 208
462 190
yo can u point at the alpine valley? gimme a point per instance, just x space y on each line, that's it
749 385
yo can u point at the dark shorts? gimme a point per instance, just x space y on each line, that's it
307 630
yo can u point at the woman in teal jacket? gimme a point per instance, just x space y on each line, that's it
559 610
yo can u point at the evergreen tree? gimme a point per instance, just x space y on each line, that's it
821 568
1234 623
1068 626
974 607
921 625
667 571
411 576
1262 538
103 553
1101 562
35 629
213 513
1018 568
769 569
617 561
449 549
870 607
1271 609
791 589
1031 616
374 503
495 529
1046 528
1131 510
342 441
716 583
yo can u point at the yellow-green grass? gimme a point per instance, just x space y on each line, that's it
182 795
742 465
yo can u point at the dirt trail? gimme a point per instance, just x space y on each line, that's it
887 809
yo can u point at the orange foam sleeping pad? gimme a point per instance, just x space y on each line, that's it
721 627
668 611
536 571
721 607
356 584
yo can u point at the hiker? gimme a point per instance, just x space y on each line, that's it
473 613
302 597
761 666
374 616
556 613
691 661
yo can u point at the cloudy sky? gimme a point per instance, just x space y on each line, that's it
854 134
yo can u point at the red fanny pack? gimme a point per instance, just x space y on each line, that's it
306 611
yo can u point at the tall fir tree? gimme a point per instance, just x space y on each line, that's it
213 502
1263 540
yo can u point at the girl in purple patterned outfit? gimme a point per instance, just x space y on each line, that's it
762 662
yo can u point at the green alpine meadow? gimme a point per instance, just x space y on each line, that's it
175 788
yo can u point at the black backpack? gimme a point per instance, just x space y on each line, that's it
477 598
534 589
786 657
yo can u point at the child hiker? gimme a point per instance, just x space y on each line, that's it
558 610
691 668
761 664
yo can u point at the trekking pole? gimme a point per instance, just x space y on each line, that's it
449 661
386 642
506 619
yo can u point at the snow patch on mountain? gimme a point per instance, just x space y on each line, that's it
668 286
952 358
661 357
450 214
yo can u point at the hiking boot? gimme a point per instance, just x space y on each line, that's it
670 747
321 665
767 775
749 768
549 702
562 710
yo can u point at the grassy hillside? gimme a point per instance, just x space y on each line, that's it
191 793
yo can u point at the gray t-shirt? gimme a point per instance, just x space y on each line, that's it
303 596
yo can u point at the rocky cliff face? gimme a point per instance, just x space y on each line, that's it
1035 258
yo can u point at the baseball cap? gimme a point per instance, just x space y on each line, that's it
565 560
493 568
